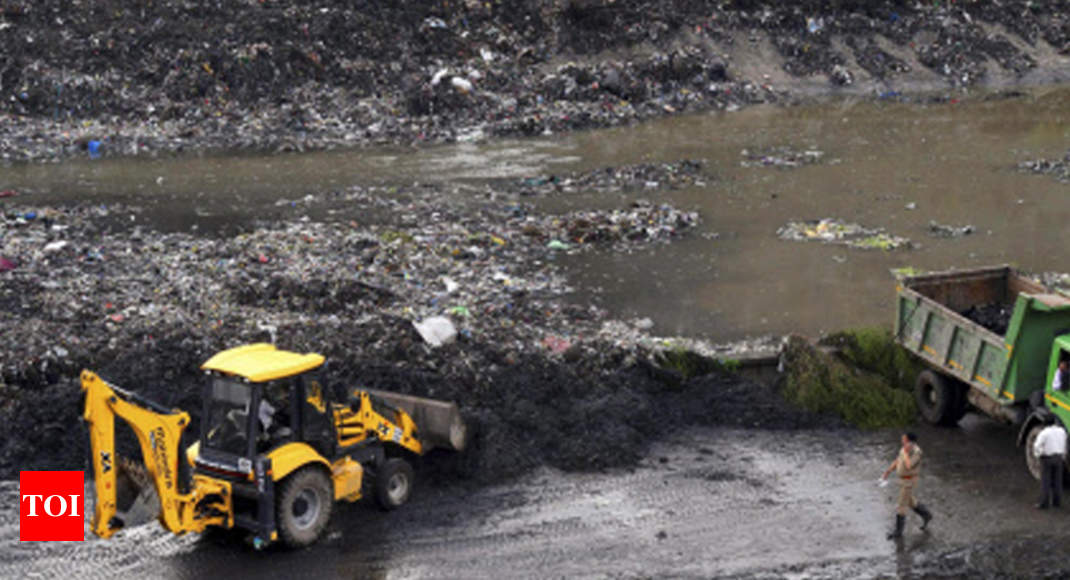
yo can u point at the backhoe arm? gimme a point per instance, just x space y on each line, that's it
158 432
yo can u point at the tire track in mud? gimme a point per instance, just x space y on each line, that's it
708 503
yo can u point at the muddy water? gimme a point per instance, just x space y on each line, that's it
952 161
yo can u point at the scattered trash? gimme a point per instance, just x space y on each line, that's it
912 205
55 246
463 86
557 245
6 265
841 75
556 344
433 22
675 175
946 231
783 157
93 147
436 331
835 231
1057 168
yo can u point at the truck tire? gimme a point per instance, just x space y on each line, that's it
939 399
1032 462
303 508
393 483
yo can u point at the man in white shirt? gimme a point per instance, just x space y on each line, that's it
1050 448
1062 377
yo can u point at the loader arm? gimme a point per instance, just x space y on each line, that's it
158 432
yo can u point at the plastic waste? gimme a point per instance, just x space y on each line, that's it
434 22
438 76
56 246
94 149
436 330
462 85
6 265
557 245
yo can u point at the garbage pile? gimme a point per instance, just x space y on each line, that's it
834 231
461 303
1060 281
781 157
1057 168
995 316
103 78
642 176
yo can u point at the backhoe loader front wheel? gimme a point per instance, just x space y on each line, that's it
393 483
304 506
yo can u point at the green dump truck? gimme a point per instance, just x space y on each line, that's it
992 340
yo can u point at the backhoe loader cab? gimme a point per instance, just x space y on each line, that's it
274 452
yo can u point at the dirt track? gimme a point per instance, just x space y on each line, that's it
706 503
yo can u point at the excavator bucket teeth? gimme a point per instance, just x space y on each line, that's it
438 423
136 501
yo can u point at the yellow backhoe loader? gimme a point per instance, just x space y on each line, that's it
274 452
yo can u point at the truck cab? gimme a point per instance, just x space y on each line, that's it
1051 403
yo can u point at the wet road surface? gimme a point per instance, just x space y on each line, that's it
706 503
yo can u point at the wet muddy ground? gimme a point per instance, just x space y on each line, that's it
704 503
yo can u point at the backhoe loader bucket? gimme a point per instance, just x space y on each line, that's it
439 423
136 501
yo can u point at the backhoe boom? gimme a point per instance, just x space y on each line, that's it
158 432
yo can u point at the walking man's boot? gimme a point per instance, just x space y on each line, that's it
898 532
925 514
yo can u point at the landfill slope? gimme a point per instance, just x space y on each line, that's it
125 78
541 379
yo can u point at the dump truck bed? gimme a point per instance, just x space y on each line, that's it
1007 367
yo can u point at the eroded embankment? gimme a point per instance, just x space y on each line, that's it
145 78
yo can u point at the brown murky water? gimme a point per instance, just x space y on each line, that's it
953 161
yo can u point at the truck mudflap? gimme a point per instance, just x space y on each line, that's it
439 423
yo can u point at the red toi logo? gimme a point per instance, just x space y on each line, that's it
50 506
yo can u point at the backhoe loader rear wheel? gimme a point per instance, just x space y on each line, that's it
304 506
393 483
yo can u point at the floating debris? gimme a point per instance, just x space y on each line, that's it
783 157
946 231
835 231
1057 168
643 176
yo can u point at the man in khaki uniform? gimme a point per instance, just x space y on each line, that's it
907 466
